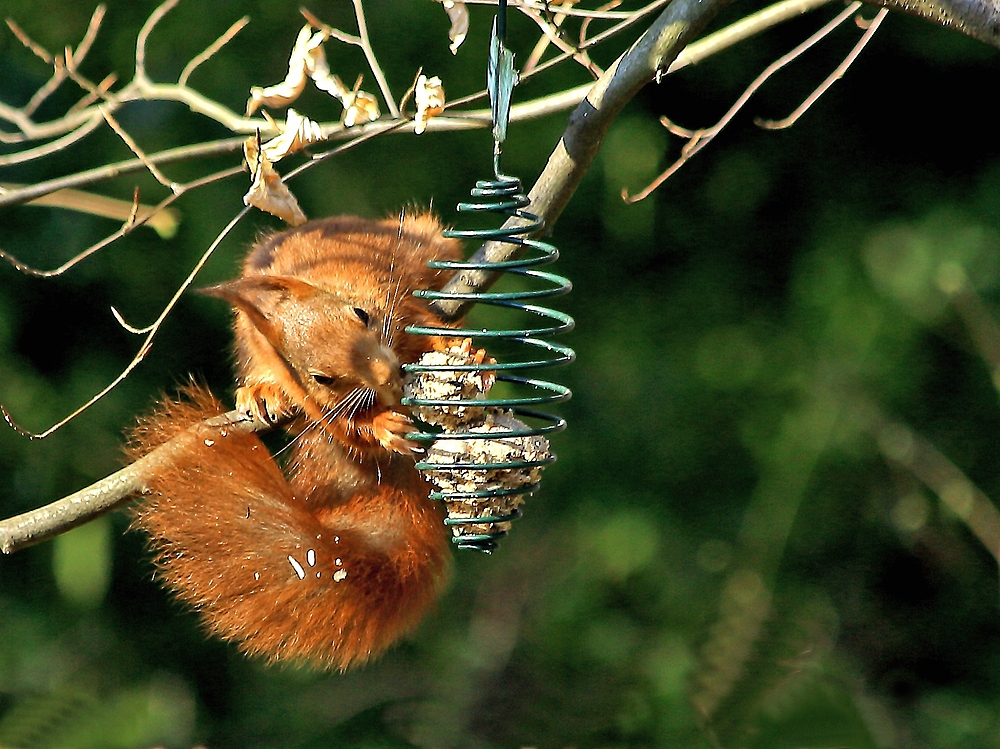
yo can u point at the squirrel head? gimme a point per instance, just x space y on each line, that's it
330 346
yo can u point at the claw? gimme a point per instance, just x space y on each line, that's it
264 401
390 429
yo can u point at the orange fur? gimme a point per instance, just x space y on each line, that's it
332 559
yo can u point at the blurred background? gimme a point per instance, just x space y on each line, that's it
765 527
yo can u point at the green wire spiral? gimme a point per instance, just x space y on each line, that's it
503 196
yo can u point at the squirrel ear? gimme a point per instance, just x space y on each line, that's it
260 291
259 298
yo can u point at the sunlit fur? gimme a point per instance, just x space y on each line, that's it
330 559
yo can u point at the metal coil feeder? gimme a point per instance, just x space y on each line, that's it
504 197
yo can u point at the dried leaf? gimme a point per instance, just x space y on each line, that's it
288 90
428 95
297 133
308 62
459 16
318 70
268 192
361 107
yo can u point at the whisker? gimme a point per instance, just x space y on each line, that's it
390 320
288 445
399 229
343 404
364 398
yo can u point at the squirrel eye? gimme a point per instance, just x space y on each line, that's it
362 316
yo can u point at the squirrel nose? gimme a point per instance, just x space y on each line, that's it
382 373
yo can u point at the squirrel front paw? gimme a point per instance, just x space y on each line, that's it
264 401
390 429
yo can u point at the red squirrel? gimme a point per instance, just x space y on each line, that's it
331 558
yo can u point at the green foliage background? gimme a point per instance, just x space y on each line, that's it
722 556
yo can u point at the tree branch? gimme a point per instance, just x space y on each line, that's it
653 55
979 19
647 59
112 492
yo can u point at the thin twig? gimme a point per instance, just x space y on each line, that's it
128 326
585 25
30 154
35 526
698 139
331 31
29 193
29 130
214 47
28 42
143 37
139 154
59 74
543 43
745 28
98 93
630 21
383 84
835 76
544 6
143 216
550 33
146 344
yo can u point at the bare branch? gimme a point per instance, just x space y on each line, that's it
979 19
214 47
59 74
471 119
332 32
390 101
743 29
97 93
125 324
698 139
550 34
835 76
88 126
27 41
28 193
134 148
41 524
146 344
147 28
585 25
648 58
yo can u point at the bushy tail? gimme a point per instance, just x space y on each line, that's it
233 541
